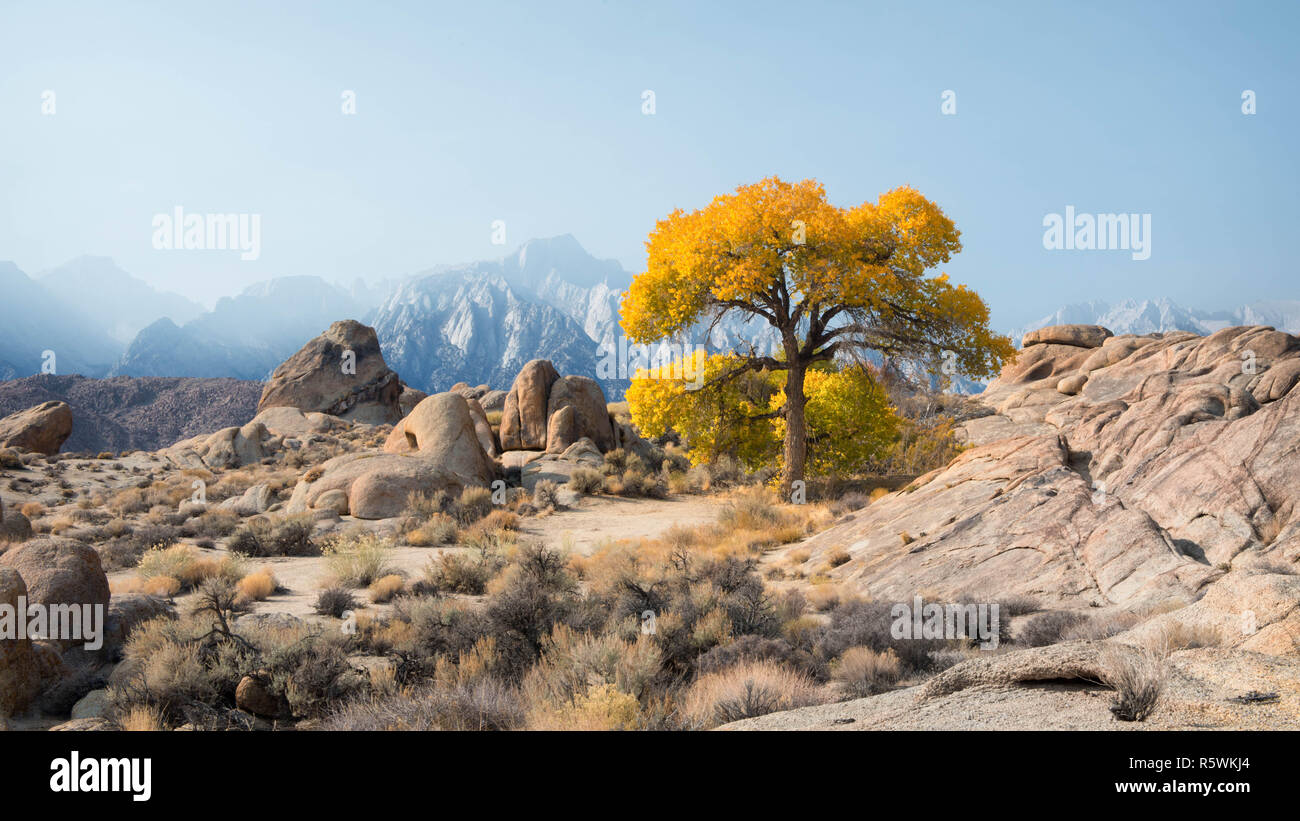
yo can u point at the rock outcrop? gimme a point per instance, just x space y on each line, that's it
19 671
445 429
545 411
41 429
341 373
59 572
1112 471
523 419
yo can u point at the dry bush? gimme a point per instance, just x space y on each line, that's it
258 585
386 588
486 704
586 481
474 503
862 671
546 495
358 558
837 557
334 601
1137 677
1048 627
824 598
439 529
463 572
745 691
264 536
32 510
188 566
141 718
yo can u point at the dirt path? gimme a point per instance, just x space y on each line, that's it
600 519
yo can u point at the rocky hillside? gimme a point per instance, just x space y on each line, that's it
1109 471
472 326
1143 487
122 413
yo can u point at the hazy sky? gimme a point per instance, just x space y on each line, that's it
532 114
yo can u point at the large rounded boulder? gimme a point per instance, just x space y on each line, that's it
342 373
524 416
20 676
59 572
41 429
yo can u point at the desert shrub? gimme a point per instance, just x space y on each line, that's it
758 648
546 495
486 704
856 623
32 510
838 557
848 503
588 681
384 589
141 718
186 565
438 529
258 585
359 558
1047 628
862 671
474 503
586 481
615 461
214 523
745 691
1017 606
463 572
1098 627
335 601
283 536
536 592
1137 678
10 460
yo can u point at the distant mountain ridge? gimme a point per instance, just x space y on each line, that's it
1145 316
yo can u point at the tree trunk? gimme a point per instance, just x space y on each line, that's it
796 427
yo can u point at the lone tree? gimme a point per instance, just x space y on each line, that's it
831 281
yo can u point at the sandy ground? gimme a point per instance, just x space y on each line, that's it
582 528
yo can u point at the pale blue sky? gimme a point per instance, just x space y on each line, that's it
531 113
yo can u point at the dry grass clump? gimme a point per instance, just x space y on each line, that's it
464 572
358 558
141 718
748 690
546 495
1138 679
586 481
258 585
187 566
438 529
384 589
862 671
32 510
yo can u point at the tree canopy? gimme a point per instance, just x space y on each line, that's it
833 282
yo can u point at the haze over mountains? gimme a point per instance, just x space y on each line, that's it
476 322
